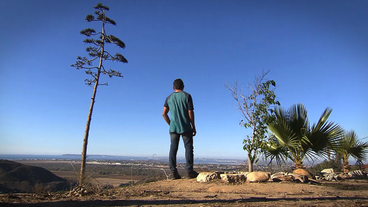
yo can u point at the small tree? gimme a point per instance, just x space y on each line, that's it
295 139
97 52
348 146
256 111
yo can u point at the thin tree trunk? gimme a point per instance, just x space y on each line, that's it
89 118
250 163
86 133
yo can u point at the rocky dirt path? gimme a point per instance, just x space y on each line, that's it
187 192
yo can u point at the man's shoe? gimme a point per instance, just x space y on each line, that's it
175 175
192 174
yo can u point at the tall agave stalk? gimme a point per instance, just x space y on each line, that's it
97 52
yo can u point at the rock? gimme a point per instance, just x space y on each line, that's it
356 174
302 172
313 181
283 178
225 177
343 176
329 176
207 176
233 178
280 176
79 192
258 176
244 173
329 170
300 178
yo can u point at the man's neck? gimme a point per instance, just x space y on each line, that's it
176 90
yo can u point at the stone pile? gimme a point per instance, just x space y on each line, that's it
235 177
330 175
284 176
299 175
79 191
208 176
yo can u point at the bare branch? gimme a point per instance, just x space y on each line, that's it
89 68
254 108
108 54
234 92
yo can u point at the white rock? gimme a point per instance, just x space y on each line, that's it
329 170
278 175
207 176
258 176
302 172
244 173
356 173
233 178
300 178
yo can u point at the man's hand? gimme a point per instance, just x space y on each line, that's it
191 117
166 117
194 131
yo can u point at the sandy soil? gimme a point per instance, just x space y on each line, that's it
188 192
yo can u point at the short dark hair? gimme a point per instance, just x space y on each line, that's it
178 84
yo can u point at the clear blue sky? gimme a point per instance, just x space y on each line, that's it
316 51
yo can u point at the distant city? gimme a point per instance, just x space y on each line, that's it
76 157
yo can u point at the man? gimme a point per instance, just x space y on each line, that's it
181 122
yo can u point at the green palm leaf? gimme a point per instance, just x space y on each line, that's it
350 146
297 139
273 151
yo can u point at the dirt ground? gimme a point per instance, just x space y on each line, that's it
188 192
114 180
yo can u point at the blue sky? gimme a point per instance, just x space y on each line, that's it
316 51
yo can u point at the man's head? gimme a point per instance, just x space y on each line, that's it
178 84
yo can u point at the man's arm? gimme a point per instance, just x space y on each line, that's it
191 117
166 117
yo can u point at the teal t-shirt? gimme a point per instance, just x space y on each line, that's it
178 104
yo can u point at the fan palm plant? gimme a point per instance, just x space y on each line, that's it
295 139
348 146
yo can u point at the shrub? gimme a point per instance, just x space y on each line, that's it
335 164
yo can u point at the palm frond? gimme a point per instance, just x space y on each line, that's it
273 151
298 119
353 147
295 135
283 133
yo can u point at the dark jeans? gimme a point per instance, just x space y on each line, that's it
188 144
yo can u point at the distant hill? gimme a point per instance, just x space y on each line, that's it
17 177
